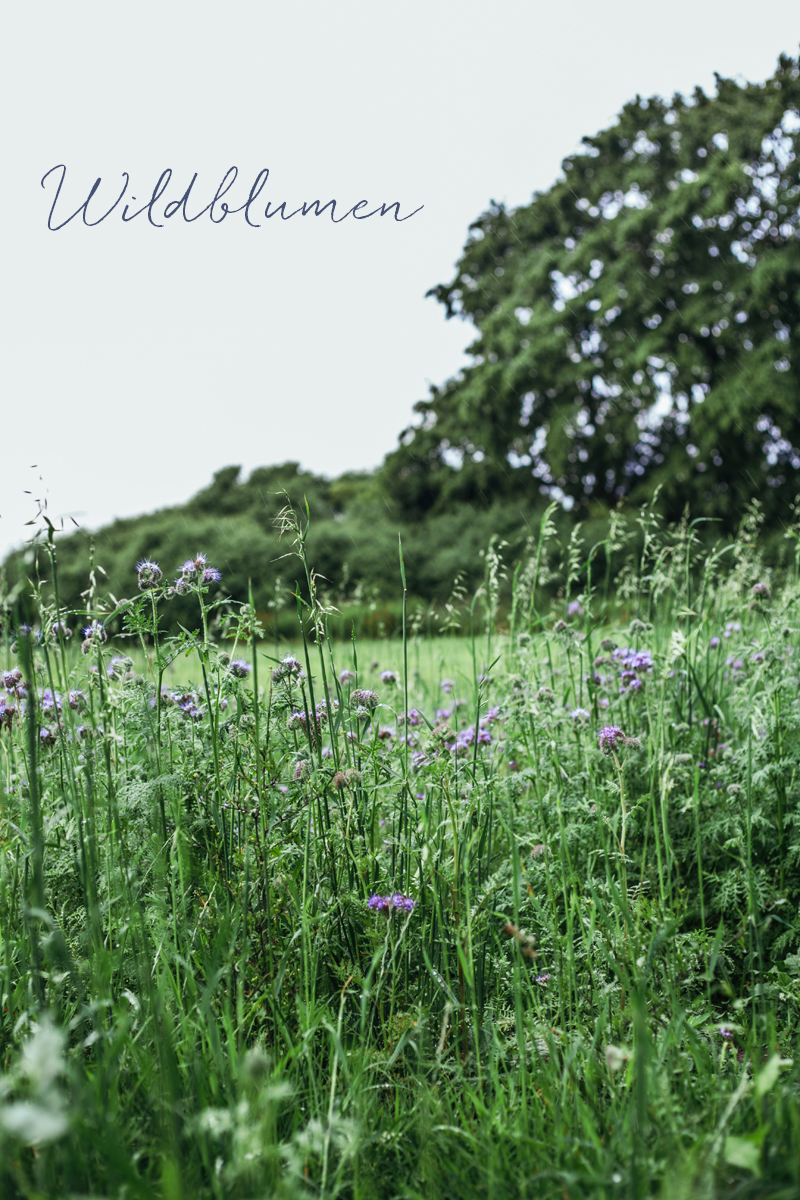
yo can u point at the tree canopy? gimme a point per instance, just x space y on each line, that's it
637 323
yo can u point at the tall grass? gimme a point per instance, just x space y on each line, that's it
596 990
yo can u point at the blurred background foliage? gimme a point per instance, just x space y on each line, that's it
637 330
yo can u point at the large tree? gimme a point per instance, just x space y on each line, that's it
637 323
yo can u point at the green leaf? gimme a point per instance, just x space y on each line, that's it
766 1077
744 1151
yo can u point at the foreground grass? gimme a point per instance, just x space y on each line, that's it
595 992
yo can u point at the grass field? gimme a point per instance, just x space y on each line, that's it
518 921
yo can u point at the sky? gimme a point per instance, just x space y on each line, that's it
138 360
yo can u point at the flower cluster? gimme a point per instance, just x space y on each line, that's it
297 719
385 904
240 668
8 710
349 778
93 635
149 574
196 570
364 698
611 737
634 664
288 669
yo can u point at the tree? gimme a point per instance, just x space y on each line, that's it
637 323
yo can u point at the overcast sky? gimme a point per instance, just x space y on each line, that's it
139 360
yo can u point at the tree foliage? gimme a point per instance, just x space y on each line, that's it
637 323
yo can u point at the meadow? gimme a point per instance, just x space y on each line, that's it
511 914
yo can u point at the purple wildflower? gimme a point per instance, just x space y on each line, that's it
610 735
364 698
211 575
346 677
240 668
542 979
385 904
7 713
726 1033
712 645
149 573
59 628
388 677
574 608
447 685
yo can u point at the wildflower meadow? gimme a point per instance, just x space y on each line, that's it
510 913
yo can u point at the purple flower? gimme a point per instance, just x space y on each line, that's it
542 979
447 685
364 698
726 1033
610 735
346 677
58 627
574 608
385 904
713 643
579 714
240 668
413 717
149 573
12 678
211 575
388 677
92 634
760 591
